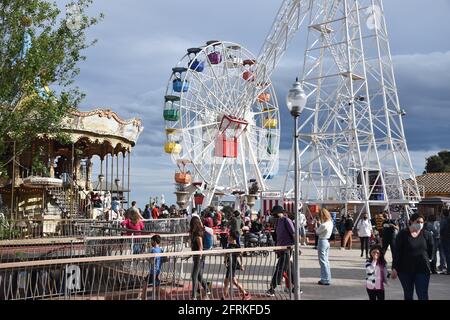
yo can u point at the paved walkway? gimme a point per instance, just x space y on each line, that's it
348 273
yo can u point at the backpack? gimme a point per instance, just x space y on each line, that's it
208 239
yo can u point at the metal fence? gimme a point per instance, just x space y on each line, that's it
139 277
61 248
38 228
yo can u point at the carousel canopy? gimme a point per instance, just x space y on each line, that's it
36 182
100 127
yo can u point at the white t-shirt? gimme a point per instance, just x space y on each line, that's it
364 228
325 230
302 219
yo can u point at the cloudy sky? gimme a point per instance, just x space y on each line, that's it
141 40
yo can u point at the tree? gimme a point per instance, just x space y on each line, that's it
39 50
438 163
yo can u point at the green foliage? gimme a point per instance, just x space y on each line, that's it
52 59
438 163
38 166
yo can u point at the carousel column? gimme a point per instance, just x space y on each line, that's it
89 167
72 179
117 181
123 177
129 173
51 159
112 173
13 181
106 173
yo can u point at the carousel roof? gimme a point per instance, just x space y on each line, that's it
103 126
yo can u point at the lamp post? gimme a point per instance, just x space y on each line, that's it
296 101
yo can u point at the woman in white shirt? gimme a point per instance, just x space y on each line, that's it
324 232
364 228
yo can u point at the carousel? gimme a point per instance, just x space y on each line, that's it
56 178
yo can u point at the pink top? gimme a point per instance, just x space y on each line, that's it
129 225
379 281
376 276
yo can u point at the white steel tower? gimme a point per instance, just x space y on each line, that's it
352 143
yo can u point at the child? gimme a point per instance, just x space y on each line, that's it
376 273
232 244
155 267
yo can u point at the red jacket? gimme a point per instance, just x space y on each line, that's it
155 213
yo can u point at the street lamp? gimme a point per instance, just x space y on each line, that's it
296 102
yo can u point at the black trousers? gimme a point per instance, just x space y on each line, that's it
197 274
375 294
388 241
364 245
282 266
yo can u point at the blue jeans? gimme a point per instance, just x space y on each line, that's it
323 249
420 281
442 258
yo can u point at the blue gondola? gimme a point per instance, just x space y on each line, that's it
197 66
180 86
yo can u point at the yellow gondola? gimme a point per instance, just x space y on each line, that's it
172 148
270 123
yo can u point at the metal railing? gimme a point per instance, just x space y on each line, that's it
62 248
51 228
165 276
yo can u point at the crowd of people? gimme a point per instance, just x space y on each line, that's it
415 247
106 207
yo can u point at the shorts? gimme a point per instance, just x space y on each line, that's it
233 272
236 266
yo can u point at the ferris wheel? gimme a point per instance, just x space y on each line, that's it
228 143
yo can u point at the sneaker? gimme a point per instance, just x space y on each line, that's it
323 283
301 291
247 296
270 293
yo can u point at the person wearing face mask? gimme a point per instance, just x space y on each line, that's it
364 228
412 255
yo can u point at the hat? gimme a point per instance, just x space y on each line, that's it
277 210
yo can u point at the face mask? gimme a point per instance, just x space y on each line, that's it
417 226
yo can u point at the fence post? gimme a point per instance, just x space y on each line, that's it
230 267
290 274
154 278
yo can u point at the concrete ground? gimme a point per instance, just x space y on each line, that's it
348 278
